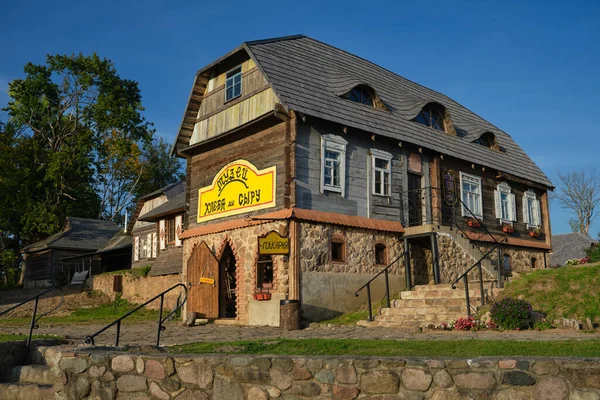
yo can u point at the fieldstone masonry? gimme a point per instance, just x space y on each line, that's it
88 374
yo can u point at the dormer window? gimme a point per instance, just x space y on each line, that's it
488 139
361 94
432 115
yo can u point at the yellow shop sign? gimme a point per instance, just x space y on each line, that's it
239 187
273 243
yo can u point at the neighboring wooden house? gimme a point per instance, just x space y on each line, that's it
115 255
569 246
79 236
349 164
155 227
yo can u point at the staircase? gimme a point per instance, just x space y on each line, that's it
430 304
34 381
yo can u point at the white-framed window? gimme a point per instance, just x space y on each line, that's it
531 210
333 164
470 192
143 248
233 83
506 207
381 164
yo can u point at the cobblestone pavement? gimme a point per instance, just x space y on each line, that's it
176 333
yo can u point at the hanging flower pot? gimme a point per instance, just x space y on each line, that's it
473 223
508 229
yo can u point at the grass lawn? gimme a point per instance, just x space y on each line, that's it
16 338
431 348
569 292
103 313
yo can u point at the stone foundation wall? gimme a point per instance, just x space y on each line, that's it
244 243
520 258
139 289
453 259
109 376
315 253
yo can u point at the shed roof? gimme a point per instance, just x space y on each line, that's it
78 234
172 206
309 76
569 246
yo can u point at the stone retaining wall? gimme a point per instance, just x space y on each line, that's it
139 289
107 376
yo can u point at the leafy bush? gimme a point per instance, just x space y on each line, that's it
573 261
593 254
510 313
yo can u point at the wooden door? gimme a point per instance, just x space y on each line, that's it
415 205
203 297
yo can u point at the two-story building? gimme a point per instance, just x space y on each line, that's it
155 226
310 169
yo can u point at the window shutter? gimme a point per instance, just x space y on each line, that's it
136 248
154 245
526 210
512 207
178 229
537 215
498 203
161 233
149 245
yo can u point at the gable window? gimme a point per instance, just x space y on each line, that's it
380 254
333 164
432 115
531 210
471 195
264 272
361 94
170 231
382 172
506 210
233 83
338 249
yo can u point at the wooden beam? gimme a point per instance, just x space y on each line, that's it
546 218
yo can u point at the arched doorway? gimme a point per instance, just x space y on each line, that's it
227 284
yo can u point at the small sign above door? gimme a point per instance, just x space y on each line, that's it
414 163
273 243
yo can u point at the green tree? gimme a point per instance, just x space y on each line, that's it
71 123
160 168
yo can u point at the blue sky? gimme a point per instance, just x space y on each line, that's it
531 68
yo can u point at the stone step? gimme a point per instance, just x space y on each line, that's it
418 311
433 302
37 374
26 391
430 318
451 294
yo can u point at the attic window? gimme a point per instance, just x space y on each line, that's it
432 115
361 94
488 139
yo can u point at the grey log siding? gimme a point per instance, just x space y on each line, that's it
358 199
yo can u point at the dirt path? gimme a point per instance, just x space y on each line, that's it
145 333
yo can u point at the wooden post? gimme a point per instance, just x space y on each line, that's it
294 261
546 218
407 265
434 259
436 195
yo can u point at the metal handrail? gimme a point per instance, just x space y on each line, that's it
161 320
465 278
34 321
387 285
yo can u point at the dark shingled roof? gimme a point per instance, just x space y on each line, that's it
569 246
79 234
309 76
120 241
171 191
